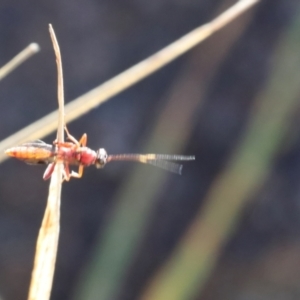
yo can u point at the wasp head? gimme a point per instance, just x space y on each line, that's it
101 159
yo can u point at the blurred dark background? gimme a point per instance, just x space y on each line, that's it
204 103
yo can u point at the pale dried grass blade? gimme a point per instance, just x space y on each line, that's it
19 59
46 249
60 87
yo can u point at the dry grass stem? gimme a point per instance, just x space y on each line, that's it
46 249
60 87
102 93
19 59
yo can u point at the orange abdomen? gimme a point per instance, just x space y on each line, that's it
32 154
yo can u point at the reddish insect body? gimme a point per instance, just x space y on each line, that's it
36 152
76 153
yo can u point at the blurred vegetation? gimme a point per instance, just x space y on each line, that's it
228 227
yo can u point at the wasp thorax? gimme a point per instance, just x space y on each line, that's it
101 159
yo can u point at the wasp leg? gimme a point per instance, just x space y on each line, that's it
71 137
49 171
66 173
81 142
79 174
